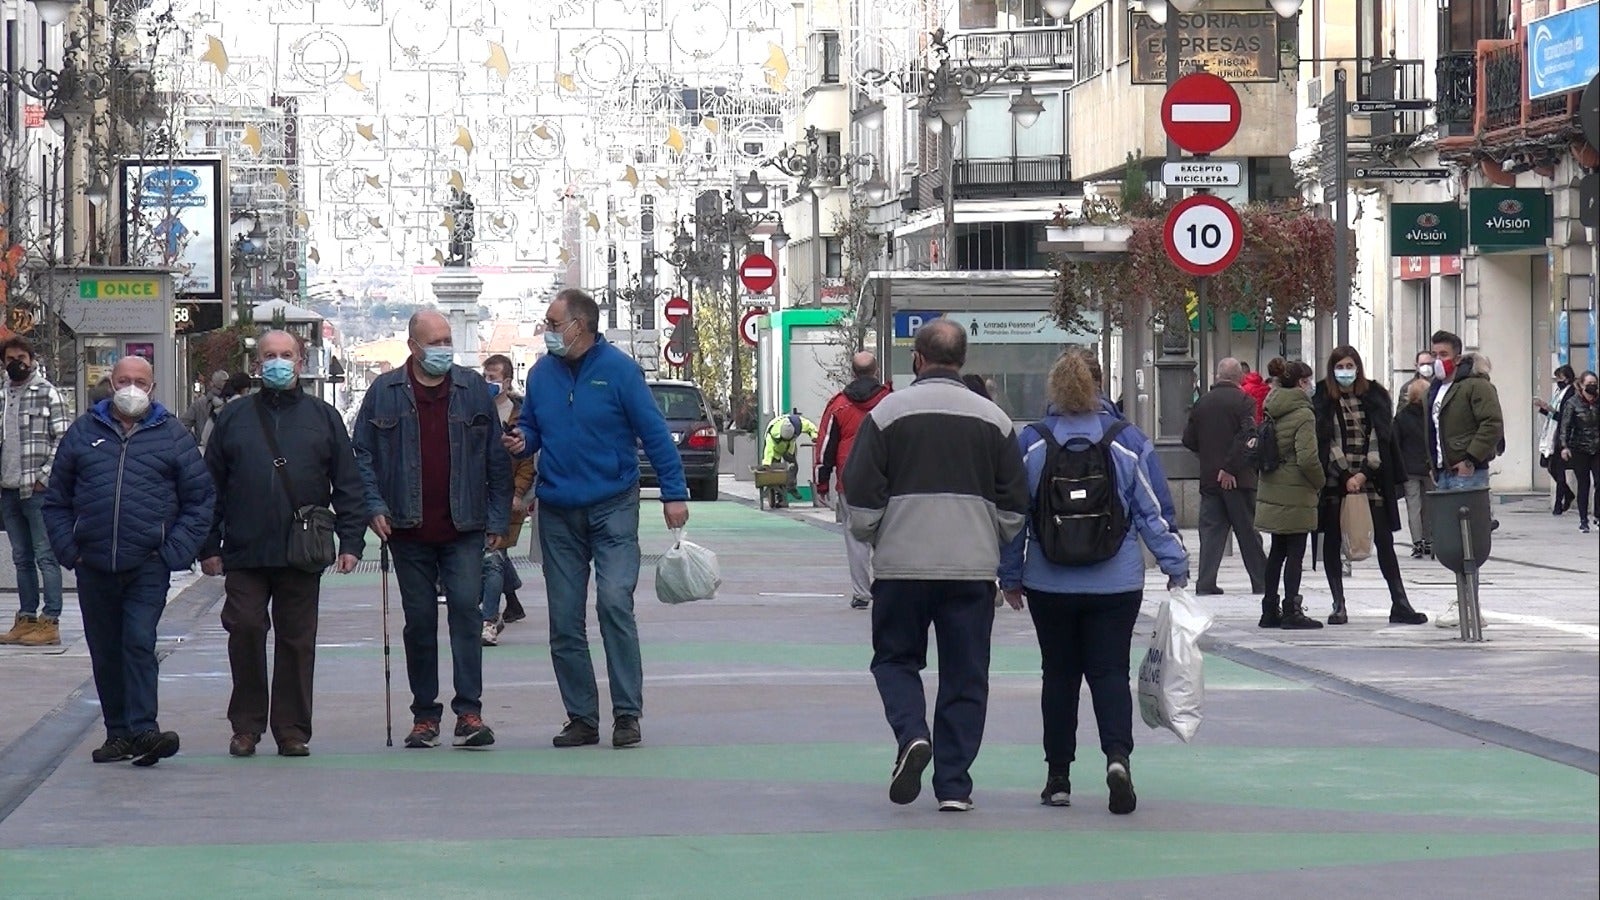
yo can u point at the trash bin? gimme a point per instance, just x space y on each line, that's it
1444 522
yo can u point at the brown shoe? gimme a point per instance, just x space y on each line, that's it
243 745
46 633
24 624
293 747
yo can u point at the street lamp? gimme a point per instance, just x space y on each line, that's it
819 174
1156 10
54 12
753 191
1026 108
875 187
1057 9
870 114
98 191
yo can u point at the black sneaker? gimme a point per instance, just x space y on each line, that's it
577 733
152 747
1120 781
424 735
625 732
115 749
907 781
860 603
471 733
1057 790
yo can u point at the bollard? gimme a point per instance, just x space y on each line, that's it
1467 584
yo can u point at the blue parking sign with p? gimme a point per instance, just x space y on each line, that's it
907 323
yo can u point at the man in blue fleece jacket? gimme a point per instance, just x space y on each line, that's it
586 411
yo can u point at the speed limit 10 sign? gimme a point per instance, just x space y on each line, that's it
1203 235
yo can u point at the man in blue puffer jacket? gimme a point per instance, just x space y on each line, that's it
130 502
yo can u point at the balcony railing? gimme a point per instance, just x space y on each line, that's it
1456 106
1503 90
1014 176
1394 79
1032 48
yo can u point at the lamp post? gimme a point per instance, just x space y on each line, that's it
943 97
819 173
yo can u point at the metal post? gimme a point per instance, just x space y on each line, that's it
947 150
1203 333
1467 584
734 383
69 206
1173 40
1341 214
816 245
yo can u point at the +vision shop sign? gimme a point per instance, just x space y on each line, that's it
1509 219
1425 229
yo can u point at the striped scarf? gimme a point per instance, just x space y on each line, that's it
1352 451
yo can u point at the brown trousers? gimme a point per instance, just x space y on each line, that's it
292 595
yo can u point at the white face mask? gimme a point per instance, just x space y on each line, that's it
1425 370
131 401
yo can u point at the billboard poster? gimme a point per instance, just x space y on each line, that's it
175 218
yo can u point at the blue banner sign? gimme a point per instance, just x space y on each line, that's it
1563 51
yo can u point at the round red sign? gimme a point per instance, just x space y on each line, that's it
1200 112
676 310
758 273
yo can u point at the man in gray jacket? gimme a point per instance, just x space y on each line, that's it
956 492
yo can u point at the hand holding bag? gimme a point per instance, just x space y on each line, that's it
1172 676
310 546
687 572
1355 522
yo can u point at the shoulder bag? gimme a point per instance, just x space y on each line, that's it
310 546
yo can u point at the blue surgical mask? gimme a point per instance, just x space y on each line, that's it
1345 377
494 389
437 361
277 374
556 343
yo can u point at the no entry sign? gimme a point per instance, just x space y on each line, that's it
1203 235
748 326
676 310
1200 112
758 273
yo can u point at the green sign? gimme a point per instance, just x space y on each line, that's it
1502 219
119 289
1425 229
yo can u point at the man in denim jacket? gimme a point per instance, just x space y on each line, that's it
438 490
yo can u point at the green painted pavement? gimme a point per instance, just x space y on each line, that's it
1486 783
858 864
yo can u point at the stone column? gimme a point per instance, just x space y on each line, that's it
457 292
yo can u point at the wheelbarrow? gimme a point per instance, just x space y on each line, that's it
772 485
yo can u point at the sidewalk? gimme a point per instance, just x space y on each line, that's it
766 760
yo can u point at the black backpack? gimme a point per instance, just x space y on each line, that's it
1261 446
1078 516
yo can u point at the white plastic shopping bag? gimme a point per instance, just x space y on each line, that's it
687 572
1171 680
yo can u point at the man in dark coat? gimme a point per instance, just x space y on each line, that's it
1218 427
129 503
249 541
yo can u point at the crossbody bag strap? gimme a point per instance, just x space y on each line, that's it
279 464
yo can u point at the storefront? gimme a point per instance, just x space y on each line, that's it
117 312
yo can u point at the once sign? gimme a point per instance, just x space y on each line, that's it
1203 235
1200 112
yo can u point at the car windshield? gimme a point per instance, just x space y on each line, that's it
677 402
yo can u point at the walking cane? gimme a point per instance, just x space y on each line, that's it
388 704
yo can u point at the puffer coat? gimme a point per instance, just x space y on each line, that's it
118 498
1286 501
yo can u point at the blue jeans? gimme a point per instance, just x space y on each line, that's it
30 551
120 614
1448 480
420 569
606 534
499 578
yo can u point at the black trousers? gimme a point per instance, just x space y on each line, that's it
1085 637
1382 545
1287 559
1586 466
1221 512
256 600
1558 473
962 615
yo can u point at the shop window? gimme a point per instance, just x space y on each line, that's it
832 257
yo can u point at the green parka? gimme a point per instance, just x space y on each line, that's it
1286 501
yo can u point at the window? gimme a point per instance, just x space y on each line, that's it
1089 39
830 57
990 132
832 258
979 13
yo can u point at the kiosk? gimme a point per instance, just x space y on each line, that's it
114 312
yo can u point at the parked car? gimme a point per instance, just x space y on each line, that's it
694 431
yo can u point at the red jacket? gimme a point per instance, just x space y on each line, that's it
1257 389
841 419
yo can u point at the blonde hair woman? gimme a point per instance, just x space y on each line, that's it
1084 614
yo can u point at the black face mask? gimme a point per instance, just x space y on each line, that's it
1591 390
18 370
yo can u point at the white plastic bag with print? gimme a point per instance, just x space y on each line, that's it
1171 678
687 572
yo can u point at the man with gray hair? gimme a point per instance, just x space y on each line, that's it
1219 425
937 487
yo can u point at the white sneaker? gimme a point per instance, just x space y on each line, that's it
955 806
491 634
1450 618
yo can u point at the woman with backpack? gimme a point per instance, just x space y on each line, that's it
1355 433
1286 498
1084 587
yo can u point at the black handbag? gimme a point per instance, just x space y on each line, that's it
311 543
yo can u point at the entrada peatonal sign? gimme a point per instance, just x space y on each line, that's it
1234 46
